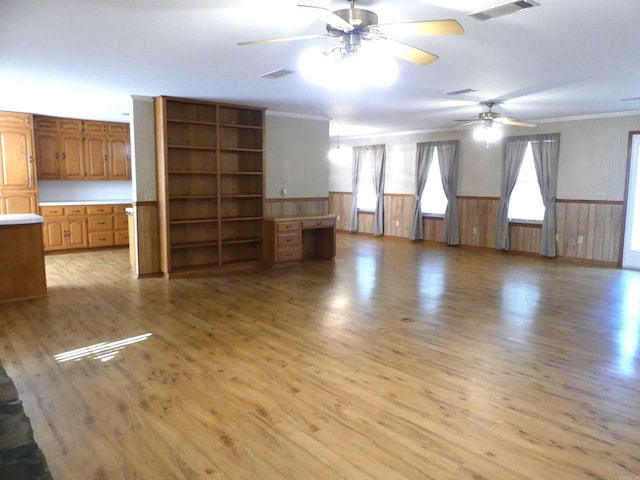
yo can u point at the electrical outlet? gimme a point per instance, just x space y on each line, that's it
601 195
337 218
580 239
397 223
474 230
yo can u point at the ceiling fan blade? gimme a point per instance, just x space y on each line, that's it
467 123
409 53
285 39
330 18
433 27
513 121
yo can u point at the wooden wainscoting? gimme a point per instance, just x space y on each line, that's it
478 220
146 241
278 207
599 223
524 237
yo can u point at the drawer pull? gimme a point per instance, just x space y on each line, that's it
102 223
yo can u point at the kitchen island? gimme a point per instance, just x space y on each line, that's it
22 272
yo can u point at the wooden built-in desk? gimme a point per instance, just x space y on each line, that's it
291 239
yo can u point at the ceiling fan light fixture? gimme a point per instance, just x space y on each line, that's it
347 70
503 9
487 133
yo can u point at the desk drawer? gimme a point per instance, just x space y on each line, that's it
288 239
289 254
318 223
288 226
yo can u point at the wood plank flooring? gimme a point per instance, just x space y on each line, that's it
396 361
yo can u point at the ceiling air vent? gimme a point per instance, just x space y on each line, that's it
503 9
279 73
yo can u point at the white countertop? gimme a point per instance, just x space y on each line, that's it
20 219
86 202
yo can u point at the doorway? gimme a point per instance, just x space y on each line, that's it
631 248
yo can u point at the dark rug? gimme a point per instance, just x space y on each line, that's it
20 456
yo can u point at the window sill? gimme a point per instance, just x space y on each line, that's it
525 223
433 215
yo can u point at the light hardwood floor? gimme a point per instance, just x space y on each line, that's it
396 361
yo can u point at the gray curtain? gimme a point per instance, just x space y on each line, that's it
358 154
378 154
546 149
424 156
512 156
448 160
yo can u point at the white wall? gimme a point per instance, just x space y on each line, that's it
593 159
84 190
296 150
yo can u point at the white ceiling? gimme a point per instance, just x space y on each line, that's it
84 58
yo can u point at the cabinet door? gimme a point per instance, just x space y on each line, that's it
119 159
16 159
72 162
18 202
96 161
47 155
53 234
76 230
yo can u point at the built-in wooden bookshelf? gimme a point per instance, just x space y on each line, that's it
211 185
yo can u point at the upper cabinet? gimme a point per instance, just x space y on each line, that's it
70 149
18 192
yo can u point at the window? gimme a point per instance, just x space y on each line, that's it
366 187
434 201
526 201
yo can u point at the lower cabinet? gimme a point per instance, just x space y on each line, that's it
88 226
18 201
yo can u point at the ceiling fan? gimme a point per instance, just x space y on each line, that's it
356 25
489 118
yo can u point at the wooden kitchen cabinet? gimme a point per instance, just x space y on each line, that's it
59 148
18 191
119 157
72 149
96 160
64 228
72 227
17 201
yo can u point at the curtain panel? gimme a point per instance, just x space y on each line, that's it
358 154
448 160
378 157
546 150
512 156
424 156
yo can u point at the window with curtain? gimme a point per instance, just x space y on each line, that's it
433 200
366 188
526 201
